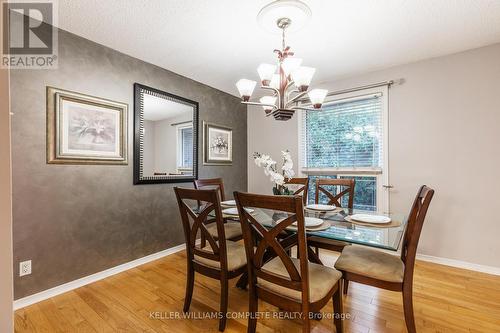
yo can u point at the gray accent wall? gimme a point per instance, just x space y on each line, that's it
76 220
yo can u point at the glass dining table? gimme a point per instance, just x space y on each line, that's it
336 226
339 227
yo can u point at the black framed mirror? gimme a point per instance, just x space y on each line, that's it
165 137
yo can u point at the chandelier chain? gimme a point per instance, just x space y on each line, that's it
283 38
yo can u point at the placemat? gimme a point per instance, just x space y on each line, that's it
325 225
392 224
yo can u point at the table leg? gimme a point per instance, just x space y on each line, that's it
242 281
313 257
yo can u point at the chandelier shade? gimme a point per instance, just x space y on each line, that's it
268 102
290 64
302 77
266 72
275 81
245 87
317 97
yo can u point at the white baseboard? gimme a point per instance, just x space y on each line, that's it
460 264
46 294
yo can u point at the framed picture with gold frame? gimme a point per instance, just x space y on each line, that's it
83 129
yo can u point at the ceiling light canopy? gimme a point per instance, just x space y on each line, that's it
288 80
296 11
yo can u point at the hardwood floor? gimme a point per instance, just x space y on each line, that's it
147 298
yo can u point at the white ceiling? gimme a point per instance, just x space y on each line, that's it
156 108
217 42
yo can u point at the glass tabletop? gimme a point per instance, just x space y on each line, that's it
385 236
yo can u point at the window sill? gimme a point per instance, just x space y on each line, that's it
341 171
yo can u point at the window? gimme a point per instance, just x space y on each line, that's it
185 148
347 139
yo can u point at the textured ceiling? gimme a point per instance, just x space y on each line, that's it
216 42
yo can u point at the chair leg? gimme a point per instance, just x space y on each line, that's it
346 286
338 310
242 282
223 303
306 323
189 287
408 308
203 241
252 309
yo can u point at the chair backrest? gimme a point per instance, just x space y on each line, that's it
195 206
260 241
346 187
302 190
216 183
414 228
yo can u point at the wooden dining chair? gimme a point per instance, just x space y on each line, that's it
343 187
232 230
292 284
221 259
211 183
302 190
383 270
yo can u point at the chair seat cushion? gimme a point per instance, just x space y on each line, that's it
236 256
371 263
321 280
231 230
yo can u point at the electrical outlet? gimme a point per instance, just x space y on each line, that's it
25 268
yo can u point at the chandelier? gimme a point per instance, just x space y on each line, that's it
288 81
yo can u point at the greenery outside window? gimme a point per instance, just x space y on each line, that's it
348 139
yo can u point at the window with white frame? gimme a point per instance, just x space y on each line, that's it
347 139
185 148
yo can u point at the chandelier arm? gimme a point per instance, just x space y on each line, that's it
303 108
276 91
288 94
296 97
274 107
271 88
287 91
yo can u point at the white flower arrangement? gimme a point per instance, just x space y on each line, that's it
219 144
271 170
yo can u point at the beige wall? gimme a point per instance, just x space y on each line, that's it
444 131
270 137
6 296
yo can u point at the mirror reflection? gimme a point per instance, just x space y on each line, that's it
168 138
